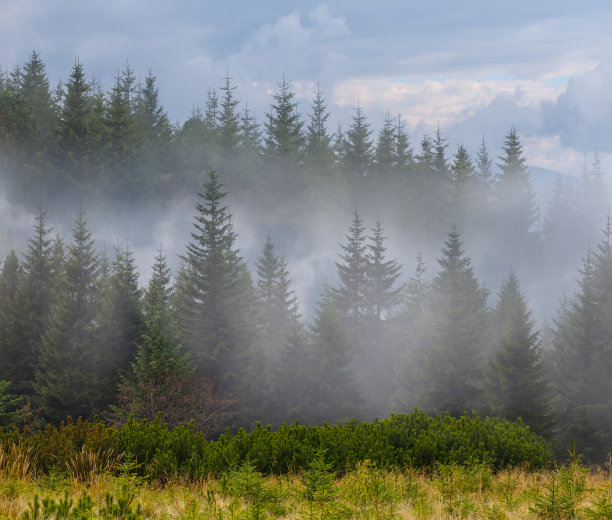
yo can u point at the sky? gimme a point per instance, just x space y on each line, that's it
474 68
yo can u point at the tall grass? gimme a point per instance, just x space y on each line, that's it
18 460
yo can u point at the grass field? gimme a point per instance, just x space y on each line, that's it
366 492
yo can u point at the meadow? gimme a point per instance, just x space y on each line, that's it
445 491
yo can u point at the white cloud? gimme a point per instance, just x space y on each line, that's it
448 101
300 48
582 115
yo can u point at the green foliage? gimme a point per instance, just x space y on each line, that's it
410 440
564 492
450 338
517 381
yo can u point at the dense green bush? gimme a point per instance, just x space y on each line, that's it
408 440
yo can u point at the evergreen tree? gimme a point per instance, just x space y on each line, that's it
276 300
427 199
67 381
36 296
150 115
358 153
339 146
484 165
250 135
381 297
380 294
284 134
384 156
228 118
211 117
74 132
120 318
579 342
439 160
517 383
403 160
335 394
514 195
353 271
120 130
318 141
462 177
161 379
18 132
35 88
452 336
214 294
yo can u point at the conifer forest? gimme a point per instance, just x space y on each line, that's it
451 289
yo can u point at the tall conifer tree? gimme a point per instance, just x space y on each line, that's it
452 336
517 383
214 295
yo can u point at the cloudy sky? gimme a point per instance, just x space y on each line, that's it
473 67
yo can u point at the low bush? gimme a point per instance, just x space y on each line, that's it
408 440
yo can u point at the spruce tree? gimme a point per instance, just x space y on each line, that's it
484 165
150 115
284 128
214 295
335 394
250 134
318 141
581 353
451 337
514 197
462 186
381 294
74 132
359 148
403 160
228 118
384 155
161 379
439 160
36 296
120 131
18 132
276 301
516 383
339 146
35 88
211 118
69 371
353 272
120 318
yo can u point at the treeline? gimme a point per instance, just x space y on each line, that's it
77 139
79 337
221 346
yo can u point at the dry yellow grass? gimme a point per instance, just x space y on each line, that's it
366 493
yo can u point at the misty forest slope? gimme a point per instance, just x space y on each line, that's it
221 339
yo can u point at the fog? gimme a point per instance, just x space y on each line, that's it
309 242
